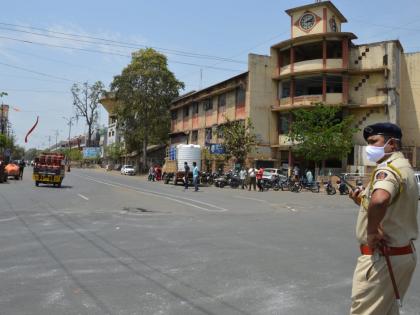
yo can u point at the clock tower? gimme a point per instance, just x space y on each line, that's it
316 18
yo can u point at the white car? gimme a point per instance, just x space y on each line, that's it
128 170
269 172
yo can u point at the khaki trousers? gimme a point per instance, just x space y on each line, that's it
372 292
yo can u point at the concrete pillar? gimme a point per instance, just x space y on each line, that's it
292 59
279 61
345 89
345 53
292 90
324 87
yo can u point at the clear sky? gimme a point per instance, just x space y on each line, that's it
206 29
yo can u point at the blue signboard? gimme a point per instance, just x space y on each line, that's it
216 148
91 152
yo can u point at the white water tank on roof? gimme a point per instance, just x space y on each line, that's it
188 153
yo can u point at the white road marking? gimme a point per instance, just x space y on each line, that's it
8 219
83 197
255 199
159 194
270 204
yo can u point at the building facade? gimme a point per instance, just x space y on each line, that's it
319 64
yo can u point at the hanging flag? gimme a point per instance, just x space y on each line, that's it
32 129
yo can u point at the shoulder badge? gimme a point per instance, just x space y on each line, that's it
381 176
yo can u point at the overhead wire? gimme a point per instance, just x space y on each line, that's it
113 43
110 53
36 72
57 61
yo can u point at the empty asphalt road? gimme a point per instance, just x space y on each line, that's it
110 244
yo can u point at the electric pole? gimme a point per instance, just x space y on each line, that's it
56 137
69 123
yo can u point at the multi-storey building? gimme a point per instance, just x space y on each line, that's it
318 64
109 103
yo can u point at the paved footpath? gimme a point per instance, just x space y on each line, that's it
111 244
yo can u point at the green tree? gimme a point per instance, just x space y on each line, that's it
5 142
145 89
114 151
73 154
86 103
239 138
18 152
31 154
321 133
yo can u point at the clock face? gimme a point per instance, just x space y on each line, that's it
307 21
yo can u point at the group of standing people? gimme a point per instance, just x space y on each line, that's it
195 173
251 178
155 173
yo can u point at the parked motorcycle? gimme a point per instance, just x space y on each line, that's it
207 178
342 188
220 181
329 188
313 186
229 179
285 184
273 183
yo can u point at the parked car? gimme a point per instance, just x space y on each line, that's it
270 173
417 177
128 170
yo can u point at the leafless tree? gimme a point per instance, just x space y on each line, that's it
86 102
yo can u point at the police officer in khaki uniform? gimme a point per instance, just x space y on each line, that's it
386 225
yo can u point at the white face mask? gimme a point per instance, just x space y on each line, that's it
374 154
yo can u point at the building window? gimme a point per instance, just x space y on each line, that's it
284 89
240 96
195 108
194 136
113 132
208 104
284 124
174 114
186 111
308 52
109 134
220 134
308 86
334 84
209 134
285 57
334 50
221 101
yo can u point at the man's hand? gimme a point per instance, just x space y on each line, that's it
355 196
377 238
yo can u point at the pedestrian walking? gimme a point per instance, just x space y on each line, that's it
186 174
259 176
151 174
196 174
386 225
242 177
22 165
252 179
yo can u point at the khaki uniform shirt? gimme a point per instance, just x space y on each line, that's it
396 176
